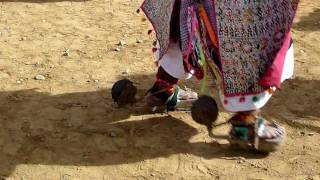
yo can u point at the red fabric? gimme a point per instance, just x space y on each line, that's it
165 78
274 73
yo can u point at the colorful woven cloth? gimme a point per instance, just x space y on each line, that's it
253 37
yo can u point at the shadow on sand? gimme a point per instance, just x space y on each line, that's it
84 129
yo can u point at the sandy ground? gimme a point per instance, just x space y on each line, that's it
65 127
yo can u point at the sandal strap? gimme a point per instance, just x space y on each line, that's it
254 131
268 131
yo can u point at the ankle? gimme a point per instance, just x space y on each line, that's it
164 86
245 117
162 89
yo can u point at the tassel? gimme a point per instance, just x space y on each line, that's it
154 43
154 50
157 63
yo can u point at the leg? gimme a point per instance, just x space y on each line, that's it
165 91
248 127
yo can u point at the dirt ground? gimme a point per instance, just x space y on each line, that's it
64 126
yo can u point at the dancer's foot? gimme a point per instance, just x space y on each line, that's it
250 131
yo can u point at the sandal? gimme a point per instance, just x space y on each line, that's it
178 96
255 134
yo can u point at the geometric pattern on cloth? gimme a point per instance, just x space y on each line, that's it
159 14
251 33
185 27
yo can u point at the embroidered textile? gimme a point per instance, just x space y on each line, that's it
251 34
159 13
